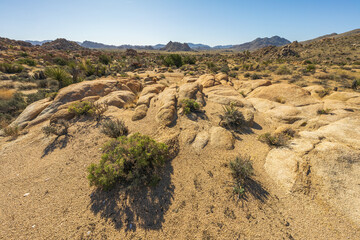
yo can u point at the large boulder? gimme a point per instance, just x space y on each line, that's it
207 80
225 95
31 112
167 106
221 138
288 93
117 98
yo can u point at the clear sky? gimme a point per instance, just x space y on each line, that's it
144 22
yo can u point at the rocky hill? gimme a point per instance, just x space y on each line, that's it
5 43
62 44
176 47
260 43
333 35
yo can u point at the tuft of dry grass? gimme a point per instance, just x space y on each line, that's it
6 94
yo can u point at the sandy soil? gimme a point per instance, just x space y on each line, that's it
45 193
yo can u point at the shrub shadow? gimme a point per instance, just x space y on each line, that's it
143 207
255 189
59 142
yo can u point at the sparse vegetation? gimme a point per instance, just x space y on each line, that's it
189 106
132 161
231 117
241 169
114 129
276 140
12 131
58 128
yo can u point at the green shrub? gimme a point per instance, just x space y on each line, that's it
12 131
60 61
247 75
225 69
27 61
323 111
13 106
241 169
11 68
59 75
189 106
323 93
58 128
212 67
231 118
309 68
189 60
104 59
114 129
255 76
283 70
277 139
82 108
132 161
173 60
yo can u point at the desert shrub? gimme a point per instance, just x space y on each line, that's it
59 75
189 106
323 93
11 68
231 118
225 69
60 61
132 161
255 76
104 59
99 110
14 105
82 108
283 70
247 75
310 68
212 67
173 60
33 97
27 61
323 111
241 169
276 139
233 74
114 129
12 131
58 128
189 60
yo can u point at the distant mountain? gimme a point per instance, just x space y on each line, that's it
223 46
95 45
137 47
6 43
176 47
334 35
39 43
260 43
62 44
158 46
199 46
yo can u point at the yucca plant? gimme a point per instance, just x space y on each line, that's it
231 118
60 75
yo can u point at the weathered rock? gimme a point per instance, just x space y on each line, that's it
189 90
221 138
155 88
282 165
145 99
140 112
201 140
221 77
248 86
31 112
61 114
117 98
289 93
207 80
248 116
167 106
225 95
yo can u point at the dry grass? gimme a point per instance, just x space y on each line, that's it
6 94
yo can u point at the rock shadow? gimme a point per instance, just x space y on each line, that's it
143 207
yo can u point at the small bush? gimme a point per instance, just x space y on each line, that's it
189 106
283 70
323 111
59 75
277 140
27 61
323 93
309 68
231 118
82 108
114 129
59 128
104 59
247 75
11 68
241 169
255 76
132 161
173 60
189 60
12 131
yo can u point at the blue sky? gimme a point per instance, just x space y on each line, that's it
159 21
